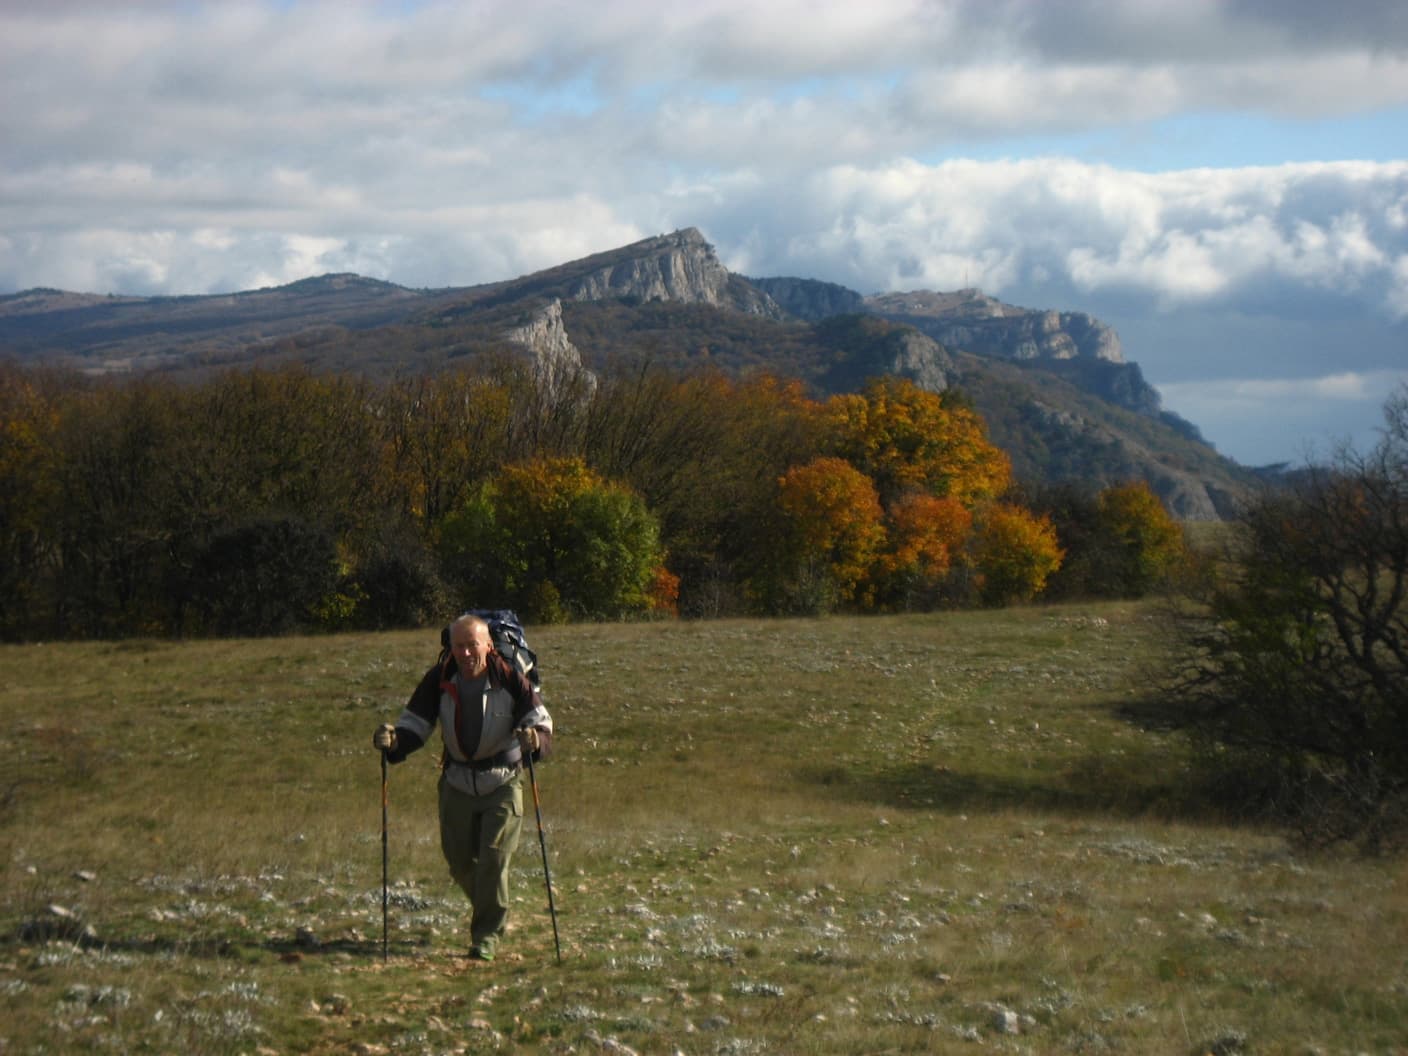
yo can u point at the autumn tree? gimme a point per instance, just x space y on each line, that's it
443 435
29 417
286 451
907 439
553 539
1146 544
828 532
705 452
926 535
1015 552
1120 542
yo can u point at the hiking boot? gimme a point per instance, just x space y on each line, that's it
483 951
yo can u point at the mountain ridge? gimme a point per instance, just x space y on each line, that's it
1054 386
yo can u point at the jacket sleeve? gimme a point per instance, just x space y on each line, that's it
418 717
528 709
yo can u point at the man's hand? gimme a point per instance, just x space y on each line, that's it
384 740
528 738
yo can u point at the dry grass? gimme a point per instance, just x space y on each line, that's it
839 836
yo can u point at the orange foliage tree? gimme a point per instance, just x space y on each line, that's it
925 535
829 529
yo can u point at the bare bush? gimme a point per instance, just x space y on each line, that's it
1295 667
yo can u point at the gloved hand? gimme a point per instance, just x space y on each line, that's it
528 738
384 740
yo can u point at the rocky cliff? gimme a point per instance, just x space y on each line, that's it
681 267
864 347
556 360
1075 345
811 299
970 320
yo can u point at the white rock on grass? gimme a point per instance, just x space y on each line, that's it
1005 1021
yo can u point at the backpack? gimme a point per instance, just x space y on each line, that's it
507 635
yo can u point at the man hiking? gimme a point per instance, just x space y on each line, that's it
489 716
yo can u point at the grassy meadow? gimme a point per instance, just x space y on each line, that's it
931 833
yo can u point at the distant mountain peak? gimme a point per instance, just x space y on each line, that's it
335 281
680 266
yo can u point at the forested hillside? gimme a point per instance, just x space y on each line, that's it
262 501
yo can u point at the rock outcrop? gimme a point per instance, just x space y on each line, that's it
974 322
556 360
681 267
866 347
811 299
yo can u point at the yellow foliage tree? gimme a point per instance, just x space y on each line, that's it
906 439
1016 551
1146 542
553 539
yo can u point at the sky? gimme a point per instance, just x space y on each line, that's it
1223 181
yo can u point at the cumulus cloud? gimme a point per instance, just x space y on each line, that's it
169 146
1170 239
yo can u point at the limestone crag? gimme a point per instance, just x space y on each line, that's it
974 322
680 267
922 360
556 359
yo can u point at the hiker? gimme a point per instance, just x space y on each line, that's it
489 715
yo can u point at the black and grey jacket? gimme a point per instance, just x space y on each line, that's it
481 749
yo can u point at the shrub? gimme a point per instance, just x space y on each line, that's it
1295 665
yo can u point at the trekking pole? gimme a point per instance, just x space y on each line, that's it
384 857
543 843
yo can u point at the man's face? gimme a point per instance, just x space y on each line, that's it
470 645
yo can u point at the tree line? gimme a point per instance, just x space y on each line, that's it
265 501
269 500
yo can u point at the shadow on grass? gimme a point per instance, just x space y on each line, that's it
1147 782
291 950
1092 786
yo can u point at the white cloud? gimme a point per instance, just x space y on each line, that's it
1171 239
170 146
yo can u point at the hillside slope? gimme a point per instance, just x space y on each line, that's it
1054 386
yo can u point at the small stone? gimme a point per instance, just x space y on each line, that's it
1005 1021
335 1004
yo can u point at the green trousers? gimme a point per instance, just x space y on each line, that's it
478 835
